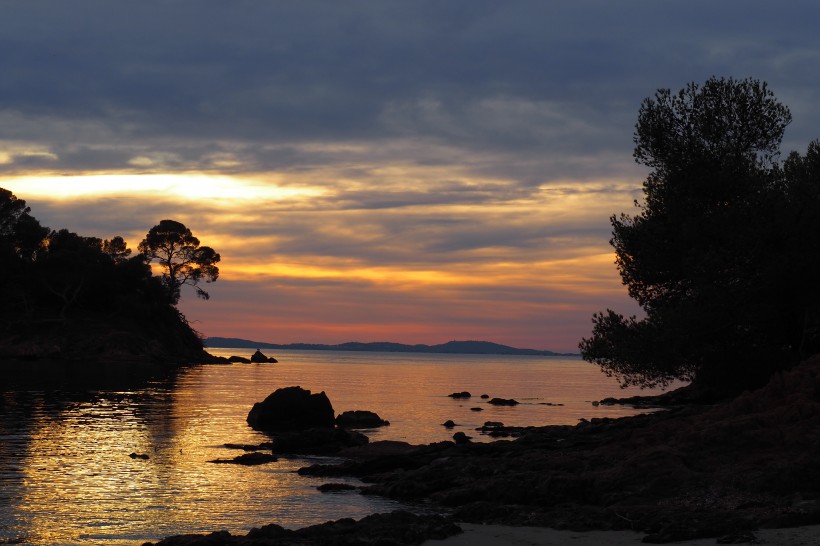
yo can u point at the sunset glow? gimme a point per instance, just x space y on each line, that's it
182 187
334 262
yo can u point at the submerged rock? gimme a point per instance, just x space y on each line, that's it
292 408
249 459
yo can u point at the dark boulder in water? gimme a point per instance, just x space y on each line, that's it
360 419
292 408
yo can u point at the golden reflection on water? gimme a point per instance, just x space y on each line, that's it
67 477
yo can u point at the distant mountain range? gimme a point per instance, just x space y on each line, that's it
452 347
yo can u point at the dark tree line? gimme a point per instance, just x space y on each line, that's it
723 252
54 276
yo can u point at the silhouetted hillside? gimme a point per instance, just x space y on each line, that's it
67 297
452 347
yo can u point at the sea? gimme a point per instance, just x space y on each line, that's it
67 475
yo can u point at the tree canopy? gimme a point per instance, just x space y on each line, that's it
721 252
183 261
84 296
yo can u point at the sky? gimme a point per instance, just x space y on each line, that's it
374 170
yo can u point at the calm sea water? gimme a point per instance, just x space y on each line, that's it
66 476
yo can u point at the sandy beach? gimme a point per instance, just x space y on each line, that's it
498 535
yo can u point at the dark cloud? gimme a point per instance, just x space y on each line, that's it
519 78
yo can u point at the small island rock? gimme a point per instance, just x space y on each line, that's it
259 357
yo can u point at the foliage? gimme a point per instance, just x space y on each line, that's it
182 259
62 289
721 253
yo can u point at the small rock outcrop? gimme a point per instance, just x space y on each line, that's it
503 402
259 357
292 408
460 395
449 423
360 419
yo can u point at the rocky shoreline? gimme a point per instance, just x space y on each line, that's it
696 471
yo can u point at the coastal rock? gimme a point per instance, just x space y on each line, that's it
485 396
476 409
493 424
503 402
461 438
690 472
292 408
449 423
460 395
142 456
373 450
360 419
258 357
399 528
239 359
318 441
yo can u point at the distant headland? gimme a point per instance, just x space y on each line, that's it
451 347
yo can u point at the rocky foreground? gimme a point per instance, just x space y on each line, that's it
692 472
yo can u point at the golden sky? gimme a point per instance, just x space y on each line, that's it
306 261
